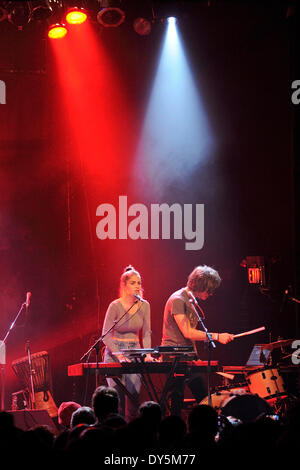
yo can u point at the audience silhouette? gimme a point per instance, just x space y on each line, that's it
100 434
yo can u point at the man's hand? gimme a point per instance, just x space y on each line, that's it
225 338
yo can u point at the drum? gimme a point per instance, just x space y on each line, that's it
41 380
245 407
40 371
267 383
218 398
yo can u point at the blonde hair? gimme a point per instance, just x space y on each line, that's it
126 275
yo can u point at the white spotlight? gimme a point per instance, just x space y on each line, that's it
172 20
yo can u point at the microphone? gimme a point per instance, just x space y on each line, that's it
193 300
138 297
284 299
27 303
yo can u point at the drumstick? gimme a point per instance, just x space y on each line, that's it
250 332
227 376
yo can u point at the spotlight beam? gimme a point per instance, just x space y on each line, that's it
176 136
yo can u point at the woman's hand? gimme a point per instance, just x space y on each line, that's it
123 358
149 358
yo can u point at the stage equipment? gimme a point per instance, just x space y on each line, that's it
267 383
172 20
171 368
281 343
27 419
142 26
2 377
76 16
57 31
36 379
39 10
245 407
199 318
20 400
115 369
111 14
18 14
24 305
219 397
158 351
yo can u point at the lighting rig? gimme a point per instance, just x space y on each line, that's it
58 15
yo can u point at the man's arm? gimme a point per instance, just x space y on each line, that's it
198 335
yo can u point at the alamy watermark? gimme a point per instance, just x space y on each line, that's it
2 92
296 354
160 221
296 94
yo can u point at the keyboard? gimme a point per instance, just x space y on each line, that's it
120 368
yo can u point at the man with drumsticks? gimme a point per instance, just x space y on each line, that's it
180 327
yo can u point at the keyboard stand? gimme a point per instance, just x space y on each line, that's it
149 386
124 389
163 401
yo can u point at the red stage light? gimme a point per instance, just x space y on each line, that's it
57 31
76 16
142 26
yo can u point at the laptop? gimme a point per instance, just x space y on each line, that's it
259 356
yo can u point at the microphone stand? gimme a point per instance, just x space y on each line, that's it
4 361
210 344
30 375
97 343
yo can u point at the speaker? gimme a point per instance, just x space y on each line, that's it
26 419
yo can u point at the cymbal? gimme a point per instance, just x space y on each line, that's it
277 344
